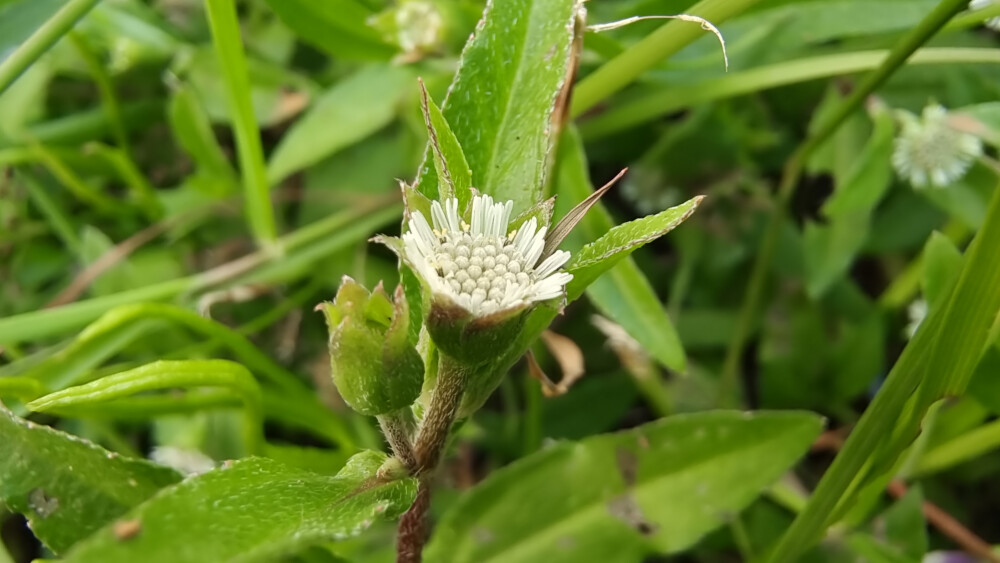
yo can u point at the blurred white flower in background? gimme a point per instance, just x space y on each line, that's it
992 23
917 311
929 151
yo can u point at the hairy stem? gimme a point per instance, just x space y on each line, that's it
398 428
434 431
412 527
451 381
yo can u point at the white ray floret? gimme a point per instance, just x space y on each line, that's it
481 266
929 151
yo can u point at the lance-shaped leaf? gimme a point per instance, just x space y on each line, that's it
252 510
454 176
600 255
68 487
506 96
615 497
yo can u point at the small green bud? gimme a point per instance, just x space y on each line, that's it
375 367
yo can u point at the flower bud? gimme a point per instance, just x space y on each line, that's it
375 366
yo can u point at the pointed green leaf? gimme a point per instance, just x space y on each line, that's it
602 254
346 113
502 103
659 487
252 510
68 487
454 176
624 294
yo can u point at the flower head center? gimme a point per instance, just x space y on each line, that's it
483 267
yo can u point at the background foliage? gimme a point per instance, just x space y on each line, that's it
181 181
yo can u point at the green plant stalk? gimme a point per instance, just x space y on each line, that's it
74 184
328 235
143 192
229 50
973 18
106 89
42 39
53 214
962 448
167 375
924 364
922 33
665 100
398 427
667 40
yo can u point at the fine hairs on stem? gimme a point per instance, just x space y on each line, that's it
429 446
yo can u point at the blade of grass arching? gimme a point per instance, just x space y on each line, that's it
163 375
229 49
43 38
927 28
666 41
659 102
329 235
940 358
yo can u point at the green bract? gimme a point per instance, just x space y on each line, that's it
375 366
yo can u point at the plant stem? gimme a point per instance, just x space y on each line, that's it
412 532
398 428
657 102
655 47
434 430
447 395
229 50
926 29
42 39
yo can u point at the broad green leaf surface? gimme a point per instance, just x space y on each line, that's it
504 96
337 27
623 294
254 509
68 487
346 113
656 488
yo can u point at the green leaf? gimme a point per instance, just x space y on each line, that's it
346 113
68 487
506 97
659 487
905 527
449 161
193 131
252 510
831 248
625 295
602 254
337 27
942 262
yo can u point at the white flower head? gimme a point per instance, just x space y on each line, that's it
992 23
929 151
481 266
